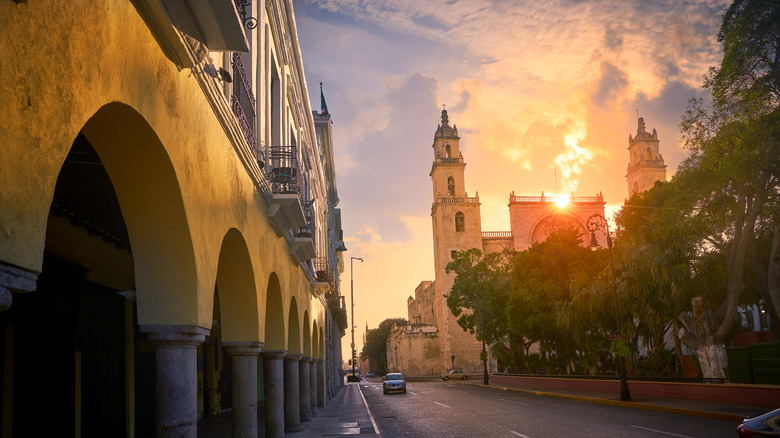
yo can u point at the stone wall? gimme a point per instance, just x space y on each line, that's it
414 350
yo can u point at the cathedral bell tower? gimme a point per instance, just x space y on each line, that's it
646 164
457 226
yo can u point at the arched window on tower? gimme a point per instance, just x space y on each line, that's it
448 151
450 187
460 222
635 188
649 154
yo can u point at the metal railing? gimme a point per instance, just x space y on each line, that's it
321 269
283 170
243 102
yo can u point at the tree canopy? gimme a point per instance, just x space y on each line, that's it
375 349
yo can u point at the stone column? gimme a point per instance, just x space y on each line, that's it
292 399
243 356
312 371
304 388
14 279
176 377
273 381
320 387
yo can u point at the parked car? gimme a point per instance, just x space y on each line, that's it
370 374
394 382
456 374
766 425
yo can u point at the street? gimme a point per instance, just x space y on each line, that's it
439 409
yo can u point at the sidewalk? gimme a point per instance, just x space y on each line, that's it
345 414
716 410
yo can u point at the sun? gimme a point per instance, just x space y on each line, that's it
561 201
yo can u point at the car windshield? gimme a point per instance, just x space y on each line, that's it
395 377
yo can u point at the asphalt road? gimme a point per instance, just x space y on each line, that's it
439 409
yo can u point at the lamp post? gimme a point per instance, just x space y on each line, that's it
485 377
352 299
596 222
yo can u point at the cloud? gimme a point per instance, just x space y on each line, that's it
611 85
532 86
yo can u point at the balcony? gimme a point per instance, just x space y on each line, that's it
339 311
243 104
323 283
286 208
303 238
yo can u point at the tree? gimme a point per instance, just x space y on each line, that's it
733 169
375 349
478 295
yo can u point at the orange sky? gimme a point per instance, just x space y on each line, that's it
535 88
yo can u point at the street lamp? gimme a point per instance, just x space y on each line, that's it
352 299
485 378
596 222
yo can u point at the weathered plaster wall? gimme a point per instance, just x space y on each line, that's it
94 66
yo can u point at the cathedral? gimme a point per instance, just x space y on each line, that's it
433 342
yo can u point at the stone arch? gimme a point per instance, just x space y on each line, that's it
236 286
150 199
294 329
315 344
450 186
307 345
448 151
541 228
274 316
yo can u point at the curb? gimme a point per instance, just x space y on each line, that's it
635 405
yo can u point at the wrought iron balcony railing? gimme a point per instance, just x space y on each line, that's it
243 103
283 171
321 269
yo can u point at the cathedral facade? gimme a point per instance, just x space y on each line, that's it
433 342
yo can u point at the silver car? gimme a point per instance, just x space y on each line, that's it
394 382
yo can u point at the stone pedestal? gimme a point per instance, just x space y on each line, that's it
320 386
243 356
292 400
176 378
304 388
273 381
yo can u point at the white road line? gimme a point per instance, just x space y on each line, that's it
373 423
440 404
516 402
660 431
410 392
519 434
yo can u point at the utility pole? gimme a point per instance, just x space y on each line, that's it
352 299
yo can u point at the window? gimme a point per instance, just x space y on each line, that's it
448 151
649 154
450 187
453 253
460 222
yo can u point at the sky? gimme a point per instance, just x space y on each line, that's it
544 95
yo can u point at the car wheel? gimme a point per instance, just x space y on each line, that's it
445 378
404 391
465 377
385 392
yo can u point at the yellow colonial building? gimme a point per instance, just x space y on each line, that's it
167 217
